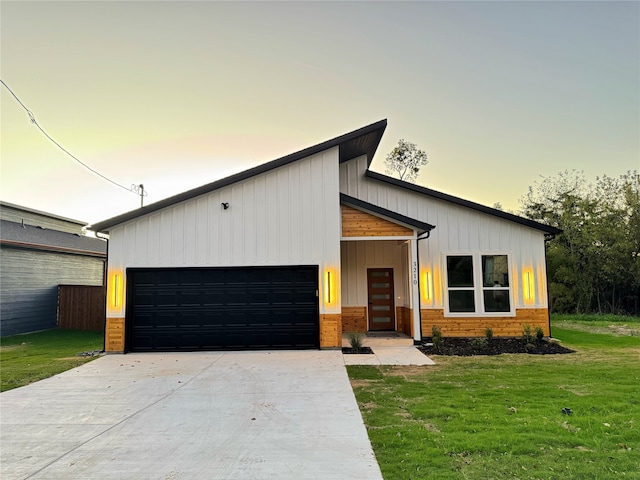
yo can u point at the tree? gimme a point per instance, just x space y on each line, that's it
405 161
594 264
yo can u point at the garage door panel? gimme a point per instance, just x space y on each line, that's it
223 308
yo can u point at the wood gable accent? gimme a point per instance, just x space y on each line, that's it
356 223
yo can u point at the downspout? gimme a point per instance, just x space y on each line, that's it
424 237
548 237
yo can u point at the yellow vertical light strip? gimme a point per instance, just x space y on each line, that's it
328 288
528 287
116 290
428 287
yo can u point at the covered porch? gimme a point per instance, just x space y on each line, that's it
379 271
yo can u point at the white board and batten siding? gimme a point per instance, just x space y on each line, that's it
357 257
458 230
287 216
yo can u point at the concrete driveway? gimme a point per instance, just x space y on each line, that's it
214 415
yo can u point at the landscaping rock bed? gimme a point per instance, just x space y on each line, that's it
464 347
362 351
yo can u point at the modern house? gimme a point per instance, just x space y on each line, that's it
38 252
293 253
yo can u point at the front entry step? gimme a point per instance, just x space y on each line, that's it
381 339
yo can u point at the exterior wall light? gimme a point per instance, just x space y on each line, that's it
327 288
117 283
528 287
427 287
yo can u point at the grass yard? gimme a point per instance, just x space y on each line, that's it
33 356
501 416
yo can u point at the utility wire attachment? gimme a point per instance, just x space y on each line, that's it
139 189
32 119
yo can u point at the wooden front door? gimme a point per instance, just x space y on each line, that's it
380 290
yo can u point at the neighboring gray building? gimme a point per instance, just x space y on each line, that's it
38 252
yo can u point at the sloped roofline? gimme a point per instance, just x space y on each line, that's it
16 235
422 227
464 203
22 208
363 141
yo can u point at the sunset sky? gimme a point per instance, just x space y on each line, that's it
178 94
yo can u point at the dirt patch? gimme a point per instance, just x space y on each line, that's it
9 348
408 371
617 329
360 383
465 347
403 414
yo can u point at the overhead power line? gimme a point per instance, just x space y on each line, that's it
135 189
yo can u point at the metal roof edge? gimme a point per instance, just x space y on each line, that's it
103 226
464 203
82 223
52 248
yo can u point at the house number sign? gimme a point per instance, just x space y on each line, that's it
415 273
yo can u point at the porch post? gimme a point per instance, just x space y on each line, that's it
415 289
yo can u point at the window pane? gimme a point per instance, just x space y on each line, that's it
381 319
380 296
460 271
495 271
379 274
379 285
461 301
496 300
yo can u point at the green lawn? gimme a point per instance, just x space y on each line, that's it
31 357
501 417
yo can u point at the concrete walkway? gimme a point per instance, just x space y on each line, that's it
388 349
240 415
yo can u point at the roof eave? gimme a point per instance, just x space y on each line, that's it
548 229
371 133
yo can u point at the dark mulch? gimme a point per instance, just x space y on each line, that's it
362 351
465 347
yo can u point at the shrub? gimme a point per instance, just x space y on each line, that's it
479 343
527 337
356 340
488 334
436 338
539 333
530 347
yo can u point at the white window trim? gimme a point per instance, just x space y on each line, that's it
478 289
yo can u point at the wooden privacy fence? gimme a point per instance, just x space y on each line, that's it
81 307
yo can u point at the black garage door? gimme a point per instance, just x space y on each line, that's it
189 309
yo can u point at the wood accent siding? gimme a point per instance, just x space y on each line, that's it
330 330
81 307
114 335
475 326
354 319
356 223
404 317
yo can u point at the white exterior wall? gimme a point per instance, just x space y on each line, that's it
287 216
458 230
357 256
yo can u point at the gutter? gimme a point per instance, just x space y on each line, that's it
51 248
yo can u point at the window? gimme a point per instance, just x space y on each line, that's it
460 283
495 283
478 284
